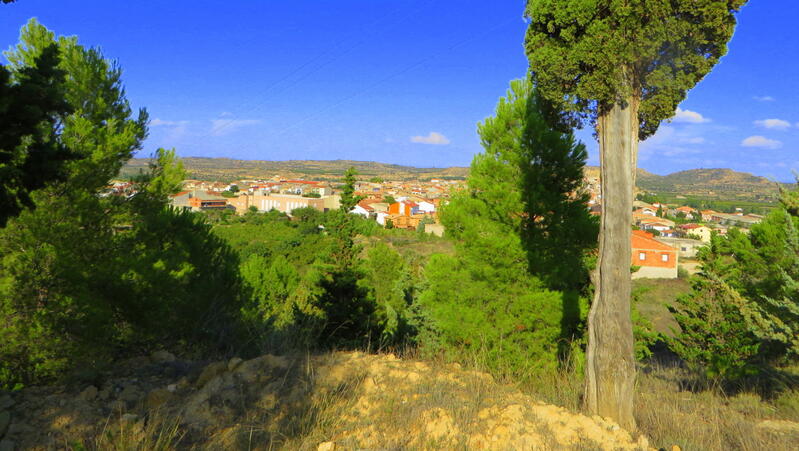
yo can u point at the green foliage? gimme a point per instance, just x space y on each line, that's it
31 153
715 335
85 277
388 282
510 225
587 55
750 281
348 198
389 199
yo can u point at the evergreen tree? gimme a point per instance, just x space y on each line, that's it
523 192
32 106
624 67
743 311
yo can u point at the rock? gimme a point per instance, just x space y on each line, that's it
158 397
6 402
105 393
210 372
779 426
6 445
326 446
89 393
162 357
130 394
234 363
5 422
172 388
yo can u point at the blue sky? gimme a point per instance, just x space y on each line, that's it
400 82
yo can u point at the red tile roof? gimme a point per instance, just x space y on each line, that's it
644 240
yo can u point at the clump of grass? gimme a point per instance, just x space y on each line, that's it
156 433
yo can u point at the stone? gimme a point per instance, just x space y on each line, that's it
158 397
5 422
89 393
130 394
105 393
6 445
172 388
162 357
234 363
210 372
326 446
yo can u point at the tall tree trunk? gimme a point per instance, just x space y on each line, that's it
610 365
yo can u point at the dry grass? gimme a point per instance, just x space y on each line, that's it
156 433
710 419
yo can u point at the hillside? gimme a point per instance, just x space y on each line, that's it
339 401
226 169
711 183
719 184
723 184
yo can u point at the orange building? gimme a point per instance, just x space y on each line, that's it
655 260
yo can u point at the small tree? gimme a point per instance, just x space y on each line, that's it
623 66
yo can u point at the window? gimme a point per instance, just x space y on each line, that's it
664 257
642 256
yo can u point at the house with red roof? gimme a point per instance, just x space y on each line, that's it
655 260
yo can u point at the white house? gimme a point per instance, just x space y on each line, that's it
426 207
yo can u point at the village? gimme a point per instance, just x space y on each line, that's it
665 240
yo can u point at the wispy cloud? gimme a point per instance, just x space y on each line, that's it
761 142
688 116
162 123
220 127
433 138
775 124
694 140
764 98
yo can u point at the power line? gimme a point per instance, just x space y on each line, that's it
261 103
395 74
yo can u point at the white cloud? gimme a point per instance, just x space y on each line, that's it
221 127
762 142
159 123
688 116
434 138
776 124
694 140
764 98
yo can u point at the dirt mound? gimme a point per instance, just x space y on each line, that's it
334 401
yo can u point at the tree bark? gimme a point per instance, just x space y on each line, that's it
610 358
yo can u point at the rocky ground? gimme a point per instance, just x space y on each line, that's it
336 401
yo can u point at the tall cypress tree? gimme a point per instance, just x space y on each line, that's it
622 66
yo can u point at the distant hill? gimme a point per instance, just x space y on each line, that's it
721 184
226 169
724 184
711 183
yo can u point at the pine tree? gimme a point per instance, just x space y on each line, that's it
493 298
